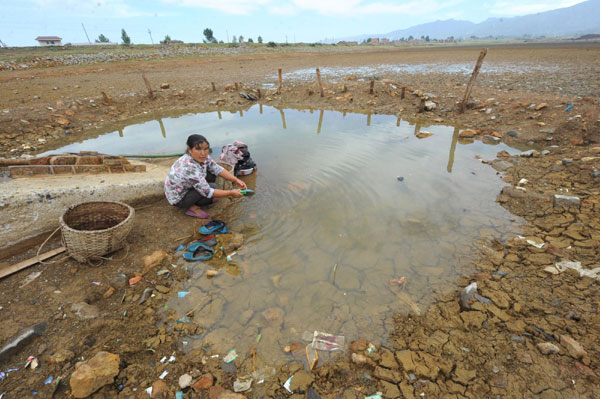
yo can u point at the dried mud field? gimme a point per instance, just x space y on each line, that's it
532 330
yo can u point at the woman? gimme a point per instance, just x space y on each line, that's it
186 186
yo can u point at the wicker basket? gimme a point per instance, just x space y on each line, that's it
93 229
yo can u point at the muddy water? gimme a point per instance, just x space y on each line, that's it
346 206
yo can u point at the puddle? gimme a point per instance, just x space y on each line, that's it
367 72
331 229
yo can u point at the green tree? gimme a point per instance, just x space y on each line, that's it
102 39
125 38
259 39
427 38
241 39
166 41
208 34
250 40
234 39
411 38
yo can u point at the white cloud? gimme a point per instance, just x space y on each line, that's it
511 8
239 7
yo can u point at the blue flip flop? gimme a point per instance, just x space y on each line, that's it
207 252
212 227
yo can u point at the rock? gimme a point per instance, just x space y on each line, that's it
487 139
467 134
358 345
501 166
61 356
422 134
595 173
359 359
301 381
541 106
273 315
204 382
547 348
528 153
164 86
185 381
85 311
230 395
231 242
430 105
567 161
566 200
159 389
155 258
512 133
547 131
573 347
468 295
242 385
94 374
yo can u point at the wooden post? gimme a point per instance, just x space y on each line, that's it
148 87
258 92
213 86
30 262
403 93
237 88
320 84
452 150
369 119
260 108
106 98
463 104
398 121
162 128
280 82
421 105
282 118
219 114
371 85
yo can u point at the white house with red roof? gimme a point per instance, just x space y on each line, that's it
49 40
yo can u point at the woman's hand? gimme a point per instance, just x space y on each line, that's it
240 184
236 193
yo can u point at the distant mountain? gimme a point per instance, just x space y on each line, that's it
580 19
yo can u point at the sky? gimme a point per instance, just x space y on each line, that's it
292 21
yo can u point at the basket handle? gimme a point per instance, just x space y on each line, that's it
37 255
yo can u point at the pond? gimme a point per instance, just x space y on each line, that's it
347 208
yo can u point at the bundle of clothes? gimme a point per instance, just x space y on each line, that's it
238 156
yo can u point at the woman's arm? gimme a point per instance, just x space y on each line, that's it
228 176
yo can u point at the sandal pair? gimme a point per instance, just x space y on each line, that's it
214 227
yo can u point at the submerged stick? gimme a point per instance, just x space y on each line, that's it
320 84
463 104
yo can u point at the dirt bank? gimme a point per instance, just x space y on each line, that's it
486 347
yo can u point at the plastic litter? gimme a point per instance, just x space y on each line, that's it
149 391
230 356
32 362
179 395
163 375
376 396
327 342
4 374
230 256
180 247
182 294
312 356
569 107
134 280
287 384
371 348
240 385
184 319
48 380
161 272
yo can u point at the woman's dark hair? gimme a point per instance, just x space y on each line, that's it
195 140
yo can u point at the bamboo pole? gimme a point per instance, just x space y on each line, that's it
280 82
148 87
463 104
320 84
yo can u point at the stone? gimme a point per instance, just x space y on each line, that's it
547 348
159 389
61 356
301 381
467 134
359 359
430 105
573 347
273 315
528 153
94 374
358 345
230 395
487 139
164 86
85 311
541 106
566 200
422 134
512 133
204 382
155 258
185 380
501 166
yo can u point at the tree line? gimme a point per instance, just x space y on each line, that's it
208 38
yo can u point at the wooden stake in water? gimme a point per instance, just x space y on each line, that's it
258 92
403 93
280 82
463 104
320 84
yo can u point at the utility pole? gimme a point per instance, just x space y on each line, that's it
227 33
150 33
86 35
2 44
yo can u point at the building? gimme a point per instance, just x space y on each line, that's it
49 40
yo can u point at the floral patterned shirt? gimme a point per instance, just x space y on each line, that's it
185 174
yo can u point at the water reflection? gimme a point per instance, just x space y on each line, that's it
332 228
